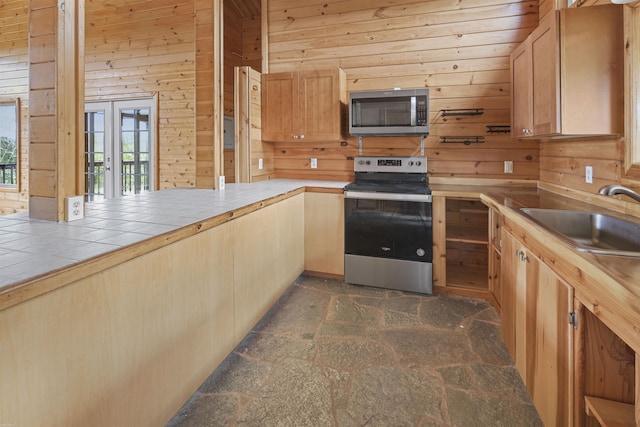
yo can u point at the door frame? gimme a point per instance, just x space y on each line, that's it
112 107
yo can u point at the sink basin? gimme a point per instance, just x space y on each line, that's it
590 231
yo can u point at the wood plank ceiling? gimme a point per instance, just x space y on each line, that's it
245 8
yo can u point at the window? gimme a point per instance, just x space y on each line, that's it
119 148
9 144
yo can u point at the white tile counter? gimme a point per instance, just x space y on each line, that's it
33 247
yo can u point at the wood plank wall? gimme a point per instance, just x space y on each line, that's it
242 47
460 50
563 162
233 55
252 42
14 83
135 49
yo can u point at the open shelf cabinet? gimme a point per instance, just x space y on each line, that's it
607 366
467 243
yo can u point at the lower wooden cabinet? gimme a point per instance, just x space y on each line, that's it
495 255
460 247
324 233
535 314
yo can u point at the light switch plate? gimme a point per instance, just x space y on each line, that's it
588 175
314 163
260 164
221 182
74 208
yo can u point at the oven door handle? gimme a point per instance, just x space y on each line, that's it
424 198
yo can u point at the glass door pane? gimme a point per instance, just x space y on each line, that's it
97 147
135 151
9 144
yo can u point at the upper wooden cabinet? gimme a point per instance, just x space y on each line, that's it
303 105
567 77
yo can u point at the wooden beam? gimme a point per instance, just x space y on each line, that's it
56 98
264 17
218 90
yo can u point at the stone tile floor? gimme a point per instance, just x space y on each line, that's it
333 354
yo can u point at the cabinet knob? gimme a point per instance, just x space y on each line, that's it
302 136
295 136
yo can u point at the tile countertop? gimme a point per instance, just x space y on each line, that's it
33 247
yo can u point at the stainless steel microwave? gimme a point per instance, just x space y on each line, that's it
389 112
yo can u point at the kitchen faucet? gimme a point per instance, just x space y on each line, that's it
613 189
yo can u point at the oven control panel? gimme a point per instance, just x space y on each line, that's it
404 164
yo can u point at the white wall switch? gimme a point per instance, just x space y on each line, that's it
588 175
314 163
74 208
508 166
260 164
221 182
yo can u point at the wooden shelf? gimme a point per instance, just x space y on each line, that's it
473 235
610 413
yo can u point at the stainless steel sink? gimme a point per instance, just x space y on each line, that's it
590 231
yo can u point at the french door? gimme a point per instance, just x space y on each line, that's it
119 148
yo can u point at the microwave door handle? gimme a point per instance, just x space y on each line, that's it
413 111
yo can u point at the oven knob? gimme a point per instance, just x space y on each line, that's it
368 162
420 252
361 162
418 163
411 163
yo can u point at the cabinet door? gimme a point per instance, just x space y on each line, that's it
545 61
279 106
319 105
519 271
521 90
550 346
509 272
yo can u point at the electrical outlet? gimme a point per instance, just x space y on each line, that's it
74 208
508 166
314 163
588 175
221 182
260 164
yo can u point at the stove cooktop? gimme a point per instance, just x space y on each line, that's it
391 174
388 187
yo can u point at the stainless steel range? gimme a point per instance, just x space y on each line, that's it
388 224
